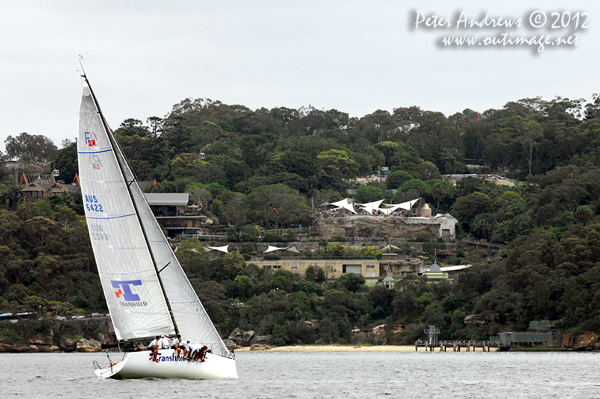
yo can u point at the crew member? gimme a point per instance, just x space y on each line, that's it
154 346
202 354
165 342
186 348
176 345
194 351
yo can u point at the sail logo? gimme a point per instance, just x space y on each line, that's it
124 292
90 138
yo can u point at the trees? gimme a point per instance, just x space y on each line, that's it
65 161
338 163
397 178
427 171
520 136
276 204
315 274
466 208
35 148
369 193
414 188
352 282
233 213
442 192
194 259
405 153
37 260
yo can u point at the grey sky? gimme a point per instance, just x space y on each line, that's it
355 56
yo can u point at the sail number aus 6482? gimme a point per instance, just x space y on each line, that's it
92 205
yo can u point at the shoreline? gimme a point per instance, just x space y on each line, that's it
341 348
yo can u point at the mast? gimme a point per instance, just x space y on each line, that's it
120 161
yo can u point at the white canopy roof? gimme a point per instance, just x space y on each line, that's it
392 207
408 205
293 249
344 204
174 199
387 211
289 249
273 249
371 206
390 247
222 249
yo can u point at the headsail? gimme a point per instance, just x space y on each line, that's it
190 316
128 276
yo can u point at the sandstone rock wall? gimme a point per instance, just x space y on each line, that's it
396 227
81 335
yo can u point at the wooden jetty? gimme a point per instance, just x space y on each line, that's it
456 346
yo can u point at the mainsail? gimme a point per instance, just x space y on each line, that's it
130 249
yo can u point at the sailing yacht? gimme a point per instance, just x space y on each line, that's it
146 290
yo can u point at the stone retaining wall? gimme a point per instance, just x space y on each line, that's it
396 227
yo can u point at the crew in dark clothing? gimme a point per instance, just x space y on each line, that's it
202 354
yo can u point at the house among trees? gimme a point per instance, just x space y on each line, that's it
39 186
173 214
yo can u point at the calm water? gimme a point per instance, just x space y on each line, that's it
323 375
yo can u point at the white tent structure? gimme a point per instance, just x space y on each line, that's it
392 207
389 248
221 249
389 209
292 249
273 249
408 205
344 204
289 249
371 206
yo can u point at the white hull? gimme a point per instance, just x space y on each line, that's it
138 365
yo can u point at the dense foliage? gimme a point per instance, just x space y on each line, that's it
46 262
266 167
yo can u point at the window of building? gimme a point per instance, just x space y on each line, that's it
356 269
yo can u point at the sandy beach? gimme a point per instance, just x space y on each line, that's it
345 348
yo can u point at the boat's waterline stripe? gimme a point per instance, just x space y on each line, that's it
93 152
112 217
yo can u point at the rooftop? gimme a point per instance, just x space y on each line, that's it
170 199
